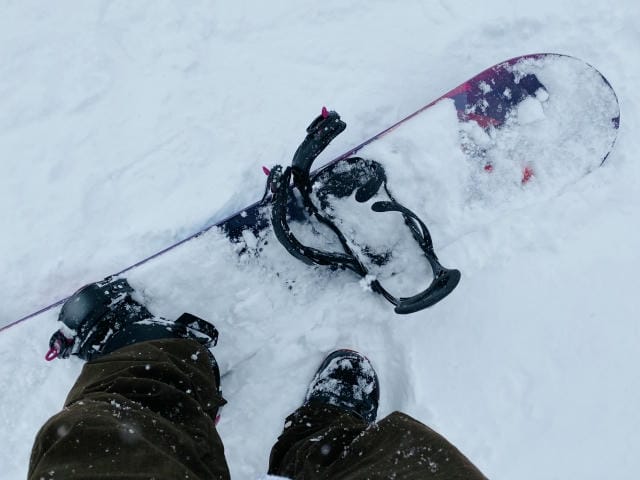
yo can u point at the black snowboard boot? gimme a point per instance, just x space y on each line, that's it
102 317
346 380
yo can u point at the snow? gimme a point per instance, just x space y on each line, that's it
126 127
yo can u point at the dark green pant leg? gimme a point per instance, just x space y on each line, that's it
143 411
313 439
325 443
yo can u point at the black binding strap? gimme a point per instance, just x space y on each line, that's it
319 134
444 279
308 255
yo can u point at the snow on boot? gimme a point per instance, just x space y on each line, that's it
103 316
346 380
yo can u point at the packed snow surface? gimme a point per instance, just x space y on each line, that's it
127 126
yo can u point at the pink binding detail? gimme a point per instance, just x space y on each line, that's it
325 112
52 354
266 171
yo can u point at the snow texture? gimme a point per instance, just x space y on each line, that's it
126 126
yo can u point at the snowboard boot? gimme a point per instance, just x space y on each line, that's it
346 380
103 316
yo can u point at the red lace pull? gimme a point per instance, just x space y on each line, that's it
52 354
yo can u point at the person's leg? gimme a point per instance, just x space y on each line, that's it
144 411
335 437
144 405
314 438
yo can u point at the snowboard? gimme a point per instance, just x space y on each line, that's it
535 120
503 108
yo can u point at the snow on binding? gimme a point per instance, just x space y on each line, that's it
528 126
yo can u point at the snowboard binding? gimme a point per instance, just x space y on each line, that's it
103 316
342 179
